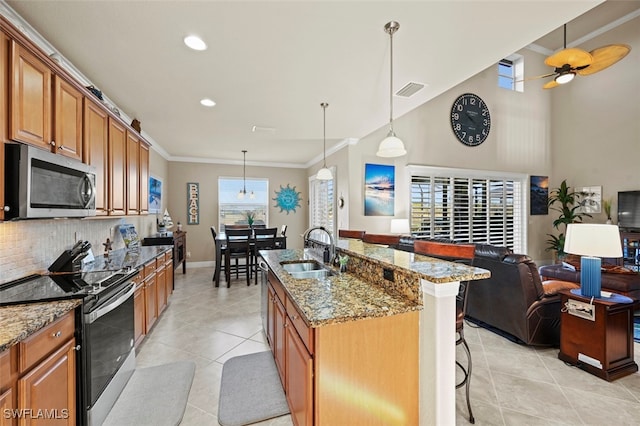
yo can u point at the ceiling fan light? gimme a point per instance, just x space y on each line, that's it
324 174
391 146
565 77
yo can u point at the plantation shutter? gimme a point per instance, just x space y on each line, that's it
322 205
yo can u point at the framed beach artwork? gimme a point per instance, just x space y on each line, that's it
379 190
539 195
155 194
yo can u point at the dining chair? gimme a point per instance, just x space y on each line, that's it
223 249
238 248
350 233
236 226
263 239
462 253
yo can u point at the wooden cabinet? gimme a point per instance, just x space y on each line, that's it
39 374
30 98
96 152
139 320
169 269
143 176
117 172
630 250
161 284
4 110
320 366
67 119
133 180
150 295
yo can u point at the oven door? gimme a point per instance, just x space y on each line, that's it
109 338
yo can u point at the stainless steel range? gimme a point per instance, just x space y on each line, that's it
104 326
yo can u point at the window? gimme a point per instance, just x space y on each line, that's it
511 73
233 210
322 205
468 206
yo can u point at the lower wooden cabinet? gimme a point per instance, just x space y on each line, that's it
358 372
139 311
38 377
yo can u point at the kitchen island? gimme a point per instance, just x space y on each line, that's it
367 343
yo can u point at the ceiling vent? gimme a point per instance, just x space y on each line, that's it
409 89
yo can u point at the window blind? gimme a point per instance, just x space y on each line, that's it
468 208
322 205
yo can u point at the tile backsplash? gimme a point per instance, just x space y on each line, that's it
30 246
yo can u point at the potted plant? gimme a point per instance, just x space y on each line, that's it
563 200
606 206
251 216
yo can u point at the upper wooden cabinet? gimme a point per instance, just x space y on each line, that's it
96 152
143 174
67 119
30 98
4 110
39 116
133 178
117 172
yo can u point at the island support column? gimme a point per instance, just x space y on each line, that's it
438 353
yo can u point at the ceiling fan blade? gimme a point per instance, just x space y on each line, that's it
551 85
536 77
604 57
573 56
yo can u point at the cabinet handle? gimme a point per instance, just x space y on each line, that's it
52 143
6 208
60 148
76 348
285 324
294 317
56 334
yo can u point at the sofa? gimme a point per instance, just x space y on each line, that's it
513 302
614 279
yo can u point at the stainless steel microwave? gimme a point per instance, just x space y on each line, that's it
40 184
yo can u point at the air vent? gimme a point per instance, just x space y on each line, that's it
409 89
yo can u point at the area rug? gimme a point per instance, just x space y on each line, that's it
636 329
154 396
251 390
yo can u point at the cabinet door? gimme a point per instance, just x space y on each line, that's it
4 110
96 152
161 288
6 406
279 338
51 386
117 168
299 378
133 182
67 119
30 98
139 316
143 175
271 309
169 278
151 304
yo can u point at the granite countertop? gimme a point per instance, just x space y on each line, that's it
363 293
124 258
335 299
21 321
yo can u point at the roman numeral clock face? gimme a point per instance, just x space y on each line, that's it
470 119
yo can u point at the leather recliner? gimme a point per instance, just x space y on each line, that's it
514 302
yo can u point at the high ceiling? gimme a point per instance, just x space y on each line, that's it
270 64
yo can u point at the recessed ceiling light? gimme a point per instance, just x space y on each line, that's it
207 102
195 42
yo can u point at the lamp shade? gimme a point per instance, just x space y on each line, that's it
400 226
324 174
391 146
565 77
593 239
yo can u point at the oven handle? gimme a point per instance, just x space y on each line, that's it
120 298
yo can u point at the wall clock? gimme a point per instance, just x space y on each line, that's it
470 119
287 199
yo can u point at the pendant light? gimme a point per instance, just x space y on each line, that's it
324 173
243 191
391 146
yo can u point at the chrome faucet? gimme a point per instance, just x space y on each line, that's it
332 246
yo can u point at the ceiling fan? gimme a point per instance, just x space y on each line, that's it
569 62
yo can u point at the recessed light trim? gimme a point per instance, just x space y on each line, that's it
194 42
207 102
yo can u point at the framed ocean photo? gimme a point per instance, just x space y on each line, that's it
379 190
155 194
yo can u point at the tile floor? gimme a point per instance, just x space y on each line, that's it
511 384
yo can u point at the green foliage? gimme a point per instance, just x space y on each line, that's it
251 216
566 202
606 206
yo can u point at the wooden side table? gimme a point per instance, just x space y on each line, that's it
598 336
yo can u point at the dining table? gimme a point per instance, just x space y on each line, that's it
221 239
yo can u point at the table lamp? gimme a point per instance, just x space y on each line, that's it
592 241
400 226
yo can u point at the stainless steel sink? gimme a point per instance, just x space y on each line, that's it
317 273
310 265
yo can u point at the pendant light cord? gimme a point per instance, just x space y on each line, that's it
324 106
391 80
244 171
